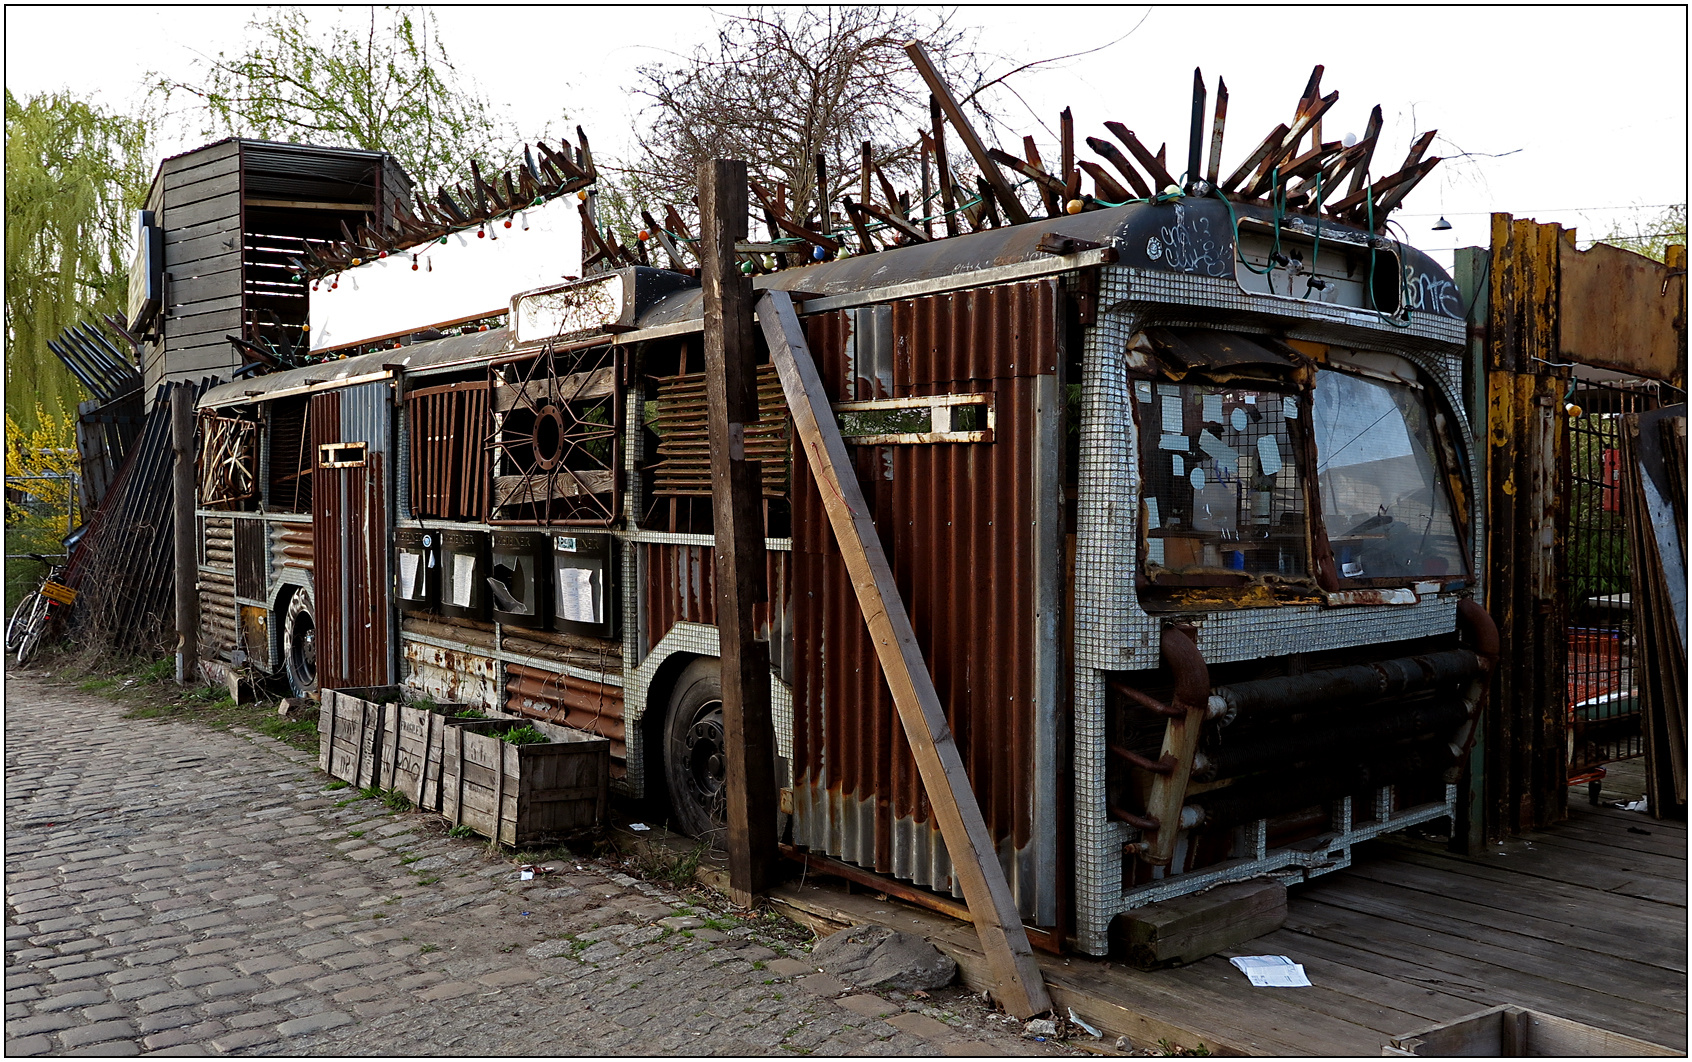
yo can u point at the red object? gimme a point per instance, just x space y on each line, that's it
1610 496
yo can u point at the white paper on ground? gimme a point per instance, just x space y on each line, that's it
1271 971
639 827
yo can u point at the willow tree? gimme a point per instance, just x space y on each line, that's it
388 87
75 175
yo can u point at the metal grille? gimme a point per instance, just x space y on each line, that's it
449 463
683 468
1603 698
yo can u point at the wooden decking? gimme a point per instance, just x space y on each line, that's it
1586 921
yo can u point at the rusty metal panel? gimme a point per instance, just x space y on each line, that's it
218 619
680 587
350 539
571 701
450 675
958 523
1618 310
448 427
684 448
290 546
249 558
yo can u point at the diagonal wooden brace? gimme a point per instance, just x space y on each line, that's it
1022 990
1180 744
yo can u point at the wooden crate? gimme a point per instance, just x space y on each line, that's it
1516 1032
519 794
376 736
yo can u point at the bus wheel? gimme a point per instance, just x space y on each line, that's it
299 644
695 753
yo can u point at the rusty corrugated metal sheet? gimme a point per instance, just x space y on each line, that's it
290 546
571 701
957 521
680 587
350 539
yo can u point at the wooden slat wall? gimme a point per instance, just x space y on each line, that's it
200 209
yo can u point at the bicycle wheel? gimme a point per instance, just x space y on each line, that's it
34 630
20 620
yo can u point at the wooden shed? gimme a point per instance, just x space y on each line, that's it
226 218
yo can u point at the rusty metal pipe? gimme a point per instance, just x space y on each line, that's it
1163 766
1359 740
1140 822
1345 686
1483 632
1150 703
1234 805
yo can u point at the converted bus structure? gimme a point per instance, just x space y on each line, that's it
1123 463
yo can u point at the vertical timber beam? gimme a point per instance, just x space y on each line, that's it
731 391
1021 989
1470 271
185 527
1527 518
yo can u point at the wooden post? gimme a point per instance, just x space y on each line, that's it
1001 188
1022 990
186 529
731 392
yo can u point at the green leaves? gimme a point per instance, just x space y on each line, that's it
390 88
75 175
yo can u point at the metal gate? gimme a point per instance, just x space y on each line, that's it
349 515
1603 699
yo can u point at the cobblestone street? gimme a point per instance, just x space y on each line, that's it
184 890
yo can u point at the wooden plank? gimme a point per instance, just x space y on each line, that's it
577 387
1507 972
1531 935
224 210
1344 970
731 385
224 151
1001 188
516 490
974 856
185 291
1506 886
207 183
1521 911
1666 866
1189 928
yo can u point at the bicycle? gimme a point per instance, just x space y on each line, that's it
34 614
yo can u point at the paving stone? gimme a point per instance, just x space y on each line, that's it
314 1023
168 1019
448 990
869 1006
97 1033
39 1023
71 1000
241 1039
822 985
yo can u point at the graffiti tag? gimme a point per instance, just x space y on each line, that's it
1189 246
1428 294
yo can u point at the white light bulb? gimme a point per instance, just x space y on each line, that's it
1349 140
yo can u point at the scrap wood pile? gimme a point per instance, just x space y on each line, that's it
1292 170
1654 492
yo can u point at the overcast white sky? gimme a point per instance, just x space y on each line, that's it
1587 105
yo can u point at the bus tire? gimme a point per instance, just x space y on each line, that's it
695 752
299 644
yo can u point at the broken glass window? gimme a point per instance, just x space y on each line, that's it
1384 503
